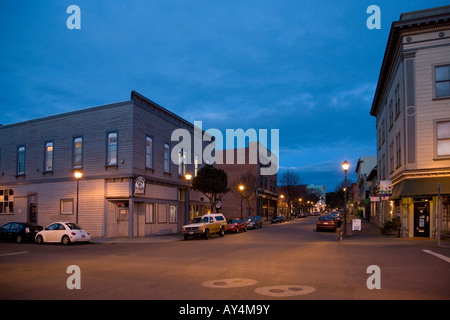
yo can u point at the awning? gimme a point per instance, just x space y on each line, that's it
420 187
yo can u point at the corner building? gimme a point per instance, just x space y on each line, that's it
129 187
412 110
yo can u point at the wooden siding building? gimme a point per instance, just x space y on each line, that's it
412 110
130 187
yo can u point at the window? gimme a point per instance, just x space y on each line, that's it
48 157
149 152
78 152
391 114
173 213
398 152
112 149
166 158
442 81
195 166
66 206
6 200
149 213
397 100
391 157
443 138
21 160
182 162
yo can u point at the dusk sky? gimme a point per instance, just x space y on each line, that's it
307 68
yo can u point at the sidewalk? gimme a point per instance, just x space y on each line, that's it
136 240
371 232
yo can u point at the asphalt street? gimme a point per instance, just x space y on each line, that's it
289 261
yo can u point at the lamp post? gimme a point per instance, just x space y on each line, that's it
345 166
188 177
241 188
78 175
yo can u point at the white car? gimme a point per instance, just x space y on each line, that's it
62 232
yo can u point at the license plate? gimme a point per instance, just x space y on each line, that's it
83 236
191 233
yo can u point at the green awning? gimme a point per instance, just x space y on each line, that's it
420 187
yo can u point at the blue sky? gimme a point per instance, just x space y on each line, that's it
307 68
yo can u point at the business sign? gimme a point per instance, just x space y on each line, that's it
139 185
356 224
385 189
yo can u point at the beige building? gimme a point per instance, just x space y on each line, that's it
412 110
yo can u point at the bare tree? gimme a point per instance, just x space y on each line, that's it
290 187
248 180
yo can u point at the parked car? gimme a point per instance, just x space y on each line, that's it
302 215
205 225
62 232
338 217
278 219
254 222
236 225
19 231
326 223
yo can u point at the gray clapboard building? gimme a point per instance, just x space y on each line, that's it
129 185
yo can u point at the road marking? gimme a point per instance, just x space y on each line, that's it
229 283
440 256
13 253
285 291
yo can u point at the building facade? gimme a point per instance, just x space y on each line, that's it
260 194
363 168
129 185
412 110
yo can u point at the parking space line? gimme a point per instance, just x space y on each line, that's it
440 256
13 253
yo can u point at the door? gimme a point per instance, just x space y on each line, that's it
117 219
32 208
421 219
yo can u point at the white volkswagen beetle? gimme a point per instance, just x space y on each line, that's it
62 232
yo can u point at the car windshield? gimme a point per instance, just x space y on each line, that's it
73 226
326 218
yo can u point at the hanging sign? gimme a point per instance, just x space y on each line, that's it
385 189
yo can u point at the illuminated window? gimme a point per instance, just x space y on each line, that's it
443 138
49 156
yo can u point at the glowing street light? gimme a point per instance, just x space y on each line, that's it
241 188
345 166
78 175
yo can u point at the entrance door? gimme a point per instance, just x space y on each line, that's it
117 219
32 208
421 219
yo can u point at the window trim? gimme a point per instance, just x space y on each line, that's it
435 142
168 170
107 163
18 172
435 97
67 200
46 142
75 138
152 154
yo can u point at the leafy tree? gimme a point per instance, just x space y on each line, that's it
212 182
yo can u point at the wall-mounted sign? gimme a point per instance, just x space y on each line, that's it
139 185
385 189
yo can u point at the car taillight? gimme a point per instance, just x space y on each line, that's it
73 233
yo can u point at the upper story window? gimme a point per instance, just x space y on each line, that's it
443 138
149 152
48 157
166 158
78 152
442 81
21 160
182 155
112 149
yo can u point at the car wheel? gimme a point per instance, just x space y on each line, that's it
237 229
19 239
186 237
65 240
222 232
206 235
39 239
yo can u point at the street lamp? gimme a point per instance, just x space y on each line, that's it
188 177
345 166
78 175
241 188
